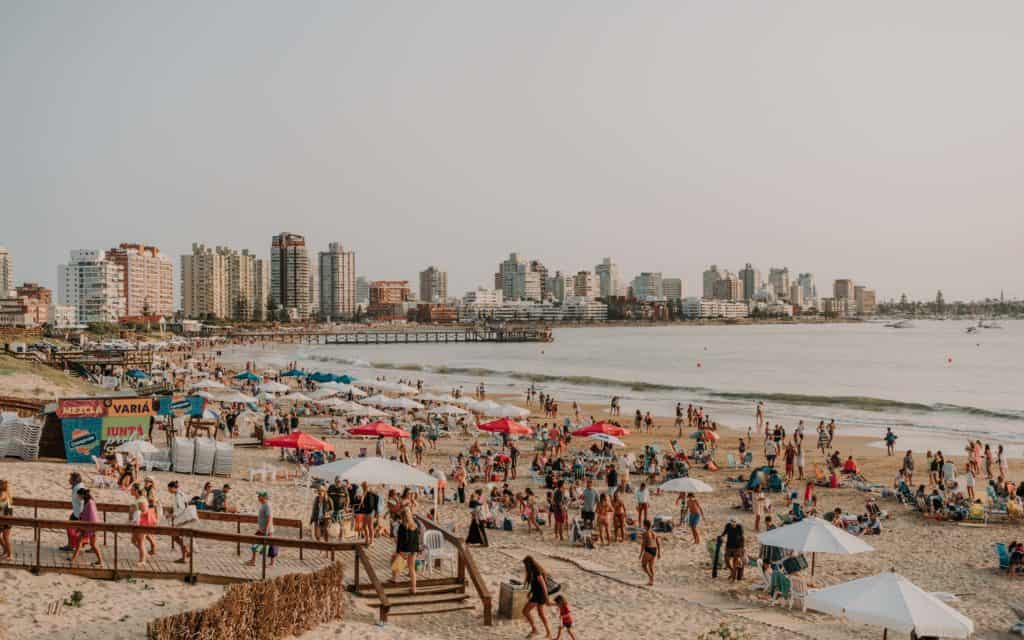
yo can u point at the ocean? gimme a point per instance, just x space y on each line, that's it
933 380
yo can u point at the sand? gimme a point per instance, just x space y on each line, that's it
605 586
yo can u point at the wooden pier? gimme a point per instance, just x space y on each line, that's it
399 336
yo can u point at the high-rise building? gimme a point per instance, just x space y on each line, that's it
609 283
648 286
338 283
6 272
538 267
247 285
780 281
728 287
843 289
796 294
711 276
672 288
585 285
148 279
388 299
362 290
807 287
561 286
289 274
864 299
751 280
205 290
433 285
93 285
314 287
517 280
261 290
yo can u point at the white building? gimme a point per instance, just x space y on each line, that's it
648 286
609 281
711 277
751 279
807 287
780 281
673 288
561 286
483 297
573 310
584 285
337 269
362 290
93 285
701 308
6 273
584 310
517 280
62 316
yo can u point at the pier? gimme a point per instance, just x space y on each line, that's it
399 336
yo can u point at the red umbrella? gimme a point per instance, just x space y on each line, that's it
379 429
601 427
504 425
299 440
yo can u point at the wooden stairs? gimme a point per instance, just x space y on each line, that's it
433 596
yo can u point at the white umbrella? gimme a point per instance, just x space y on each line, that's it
346 389
369 412
376 471
140 447
434 397
207 384
686 485
448 410
890 601
814 535
506 411
295 397
610 439
334 403
274 387
483 406
377 400
403 403
322 393
234 397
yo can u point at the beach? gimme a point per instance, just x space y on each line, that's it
604 585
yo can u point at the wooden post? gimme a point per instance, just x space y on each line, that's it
462 569
238 530
104 531
355 583
115 555
266 551
300 538
191 557
39 535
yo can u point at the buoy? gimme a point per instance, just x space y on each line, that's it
949 360
698 365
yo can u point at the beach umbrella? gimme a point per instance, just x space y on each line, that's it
344 389
359 410
136 373
507 411
274 387
293 373
814 535
322 393
404 404
378 400
334 403
504 425
602 427
890 601
447 410
604 437
686 485
434 397
140 447
206 384
247 375
375 471
295 397
344 379
482 406
299 440
234 397
320 376
378 429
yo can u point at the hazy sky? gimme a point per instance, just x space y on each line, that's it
881 141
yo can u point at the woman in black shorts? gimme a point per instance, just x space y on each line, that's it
537 581
407 547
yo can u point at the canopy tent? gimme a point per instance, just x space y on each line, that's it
206 384
604 437
447 410
814 535
293 373
378 429
248 375
686 485
602 427
273 387
890 601
434 397
322 393
299 440
504 425
138 374
337 404
375 471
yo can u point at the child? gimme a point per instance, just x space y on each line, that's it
566 615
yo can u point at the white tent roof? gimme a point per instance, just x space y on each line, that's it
891 601
686 485
377 400
506 411
814 535
375 471
435 397
274 387
234 397
207 384
295 397
341 387
402 403
483 406
322 393
604 437
448 410
360 410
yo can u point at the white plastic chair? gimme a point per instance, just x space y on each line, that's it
437 548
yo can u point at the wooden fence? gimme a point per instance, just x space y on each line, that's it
285 606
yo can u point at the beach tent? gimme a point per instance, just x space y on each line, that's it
814 535
274 387
335 403
322 393
378 429
137 374
447 410
434 397
247 375
293 373
890 601
504 425
299 440
602 427
604 437
375 471
344 388
686 485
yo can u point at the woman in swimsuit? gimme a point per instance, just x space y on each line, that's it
604 516
537 581
650 549
619 517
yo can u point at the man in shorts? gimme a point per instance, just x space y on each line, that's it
735 553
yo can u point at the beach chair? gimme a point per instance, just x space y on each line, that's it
730 461
781 588
437 549
748 459
101 479
745 501
798 591
977 514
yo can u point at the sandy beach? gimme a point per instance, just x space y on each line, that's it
605 586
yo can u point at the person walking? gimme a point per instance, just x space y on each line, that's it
650 550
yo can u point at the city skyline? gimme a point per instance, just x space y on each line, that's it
465 130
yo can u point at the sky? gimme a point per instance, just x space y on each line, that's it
880 141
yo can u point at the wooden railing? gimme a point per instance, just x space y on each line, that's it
24 406
466 563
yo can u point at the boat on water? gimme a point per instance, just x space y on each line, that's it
901 324
975 328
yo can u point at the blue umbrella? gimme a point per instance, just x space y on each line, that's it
293 373
345 379
247 375
322 377
137 374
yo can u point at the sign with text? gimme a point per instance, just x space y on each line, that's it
82 438
123 429
83 408
123 407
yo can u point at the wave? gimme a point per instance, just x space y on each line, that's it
861 403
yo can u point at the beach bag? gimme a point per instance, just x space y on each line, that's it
507 524
190 514
397 562
553 586
333 530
